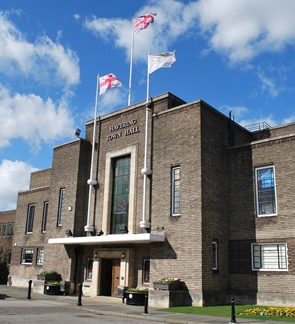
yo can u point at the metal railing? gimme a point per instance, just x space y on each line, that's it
258 127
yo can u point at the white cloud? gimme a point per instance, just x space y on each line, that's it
237 112
33 119
44 60
15 177
76 16
259 119
288 120
156 38
241 114
111 99
269 85
239 30
245 28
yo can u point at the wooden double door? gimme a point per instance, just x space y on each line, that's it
110 277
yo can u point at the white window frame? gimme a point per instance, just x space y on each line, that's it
61 205
146 271
30 219
40 256
89 269
257 191
44 217
26 251
269 256
175 182
214 246
107 200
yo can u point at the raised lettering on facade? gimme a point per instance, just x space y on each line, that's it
126 132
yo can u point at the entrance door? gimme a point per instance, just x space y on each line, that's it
110 277
116 277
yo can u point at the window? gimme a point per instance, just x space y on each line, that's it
175 194
120 199
27 256
40 256
146 271
62 194
44 218
265 191
89 265
9 228
12 228
30 219
4 229
214 255
269 256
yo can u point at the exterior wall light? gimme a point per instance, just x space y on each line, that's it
78 132
123 256
99 233
69 232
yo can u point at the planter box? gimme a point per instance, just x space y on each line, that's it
52 290
48 277
134 298
167 286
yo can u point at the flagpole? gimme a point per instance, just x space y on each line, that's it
145 171
92 182
131 64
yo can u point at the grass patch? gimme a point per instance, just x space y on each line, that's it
225 311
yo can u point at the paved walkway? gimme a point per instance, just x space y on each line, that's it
115 307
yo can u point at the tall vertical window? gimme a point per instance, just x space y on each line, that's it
89 265
62 194
269 256
27 256
12 228
120 197
44 218
175 194
4 229
214 255
9 229
40 256
265 191
146 271
30 219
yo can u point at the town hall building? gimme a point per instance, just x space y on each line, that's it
169 189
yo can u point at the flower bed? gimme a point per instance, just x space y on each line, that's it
47 275
135 296
166 284
271 311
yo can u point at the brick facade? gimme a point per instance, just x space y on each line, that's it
216 157
7 222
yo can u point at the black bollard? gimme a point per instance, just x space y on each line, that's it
80 295
29 289
233 313
145 303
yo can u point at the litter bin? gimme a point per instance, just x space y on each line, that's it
64 287
121 292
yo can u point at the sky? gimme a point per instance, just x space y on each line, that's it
236 55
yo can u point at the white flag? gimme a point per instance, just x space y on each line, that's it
156 61
107 82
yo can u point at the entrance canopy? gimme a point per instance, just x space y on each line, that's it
110 239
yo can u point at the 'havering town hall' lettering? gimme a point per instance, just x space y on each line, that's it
126 132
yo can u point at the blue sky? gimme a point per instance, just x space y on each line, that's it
235 55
